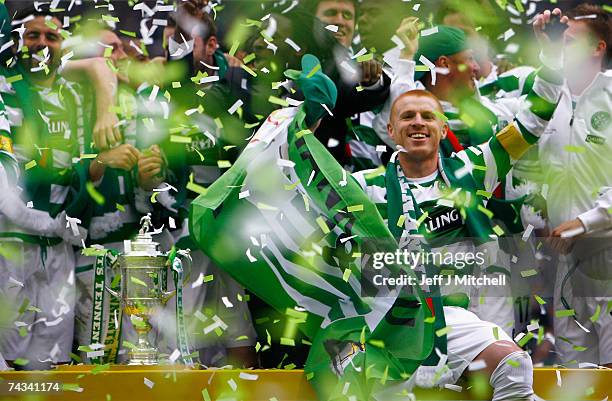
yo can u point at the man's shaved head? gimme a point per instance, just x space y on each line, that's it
414 93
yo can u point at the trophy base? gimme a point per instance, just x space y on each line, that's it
143 357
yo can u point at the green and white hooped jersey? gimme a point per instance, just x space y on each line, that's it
116 218
48 140
487 163
7 157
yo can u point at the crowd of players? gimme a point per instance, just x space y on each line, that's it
96 133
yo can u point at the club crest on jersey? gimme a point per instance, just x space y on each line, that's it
600 120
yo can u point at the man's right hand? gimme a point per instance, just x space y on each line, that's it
124 157
549 49
408 33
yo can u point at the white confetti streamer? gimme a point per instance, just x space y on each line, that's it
248 376
430 31
235 106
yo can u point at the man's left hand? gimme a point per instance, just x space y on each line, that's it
564 245
371 71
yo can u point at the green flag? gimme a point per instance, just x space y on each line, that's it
292 226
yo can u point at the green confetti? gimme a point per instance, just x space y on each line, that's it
248 70
355 208
539 299
365 57
377 343
93 192
100 368
128 33
529 273
589 391
278 101
430 320
523 341
574 149
565 313
321 222
519 6
540 335
498 230
422 219
401 220
441 116
249 58
138 281
21 361
205 395
596 314
287 341
110 18
486 211
383 379
346 275
443 331
513 363
30 164
481 168
119 207
192 186
579 348
496 333
486 194
224 164
71 387
180 139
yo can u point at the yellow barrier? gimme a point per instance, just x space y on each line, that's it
172 383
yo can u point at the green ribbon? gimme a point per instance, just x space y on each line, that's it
113 334
181 332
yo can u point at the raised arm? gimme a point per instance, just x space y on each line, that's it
491 161
104 80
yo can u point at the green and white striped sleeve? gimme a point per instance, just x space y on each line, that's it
8 162
491 161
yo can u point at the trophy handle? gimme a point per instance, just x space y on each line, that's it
166 295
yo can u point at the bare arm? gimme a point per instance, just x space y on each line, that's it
104 81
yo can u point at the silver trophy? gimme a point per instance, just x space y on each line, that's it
143 290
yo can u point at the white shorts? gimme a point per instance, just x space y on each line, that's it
37 292
586 294
467 338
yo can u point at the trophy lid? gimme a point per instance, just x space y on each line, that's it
143 243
